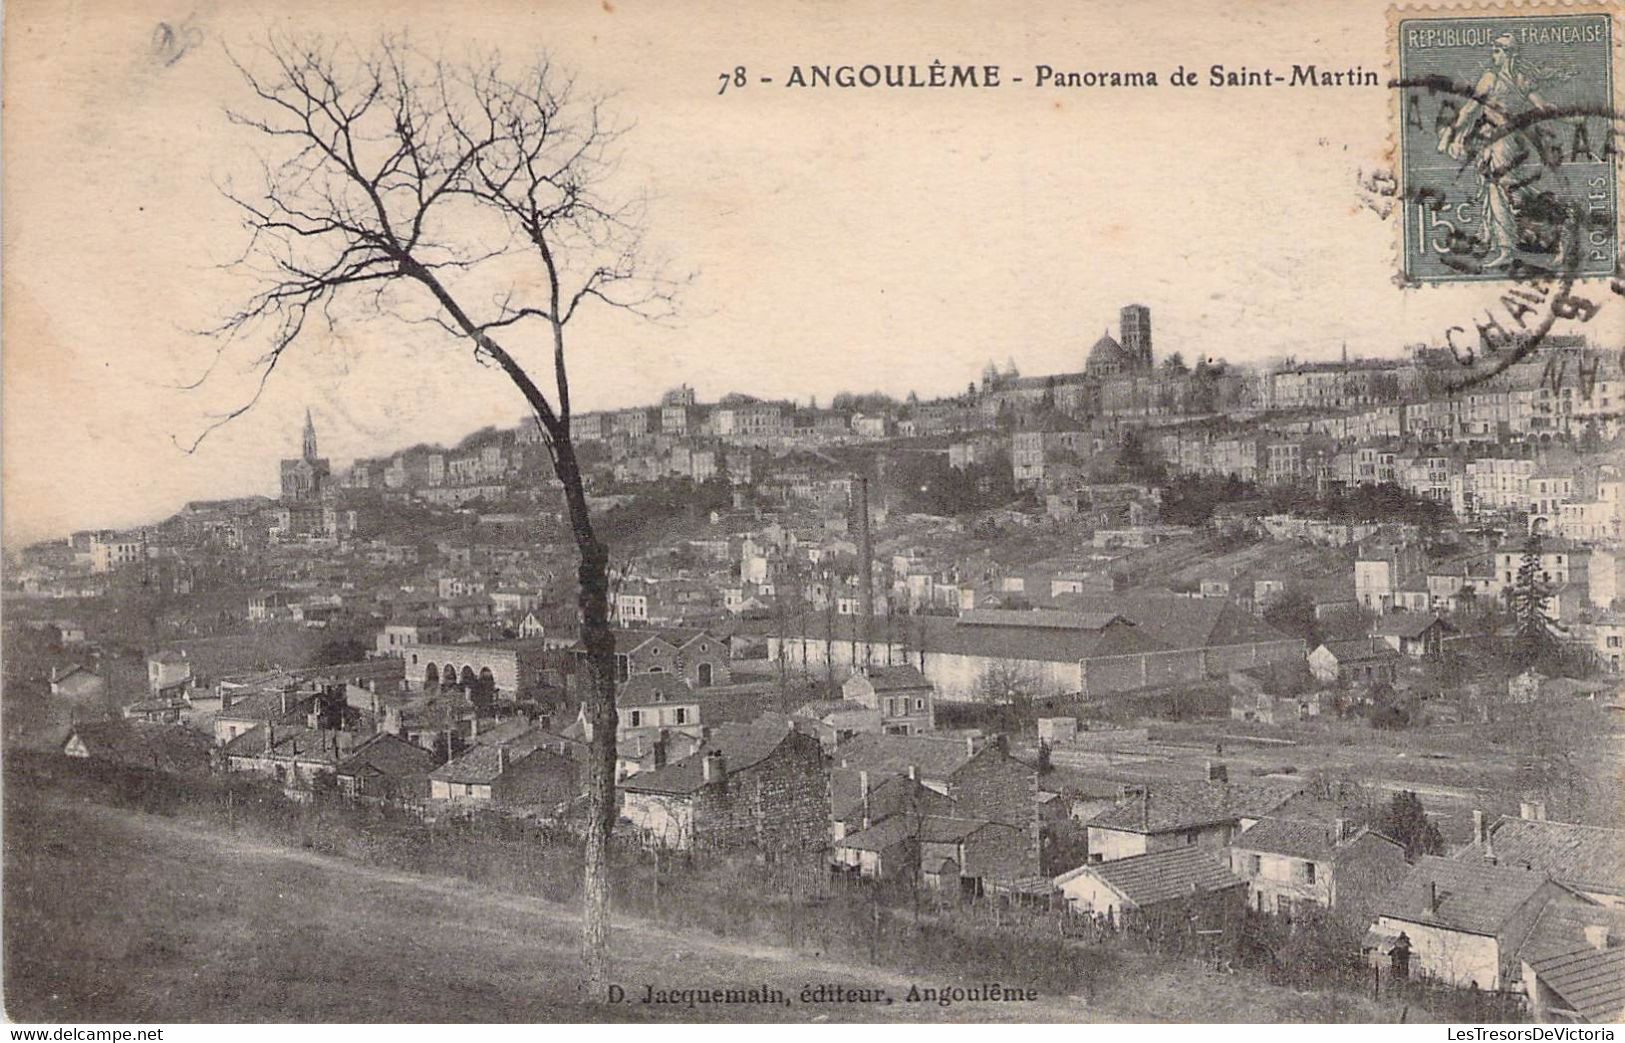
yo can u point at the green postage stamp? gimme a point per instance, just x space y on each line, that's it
1507 143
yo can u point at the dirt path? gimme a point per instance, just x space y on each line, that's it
286 899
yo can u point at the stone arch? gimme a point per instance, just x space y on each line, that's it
467 679
431 676
487 681
706 675
448 675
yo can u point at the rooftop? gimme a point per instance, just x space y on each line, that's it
1161 876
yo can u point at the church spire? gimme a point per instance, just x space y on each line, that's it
310 436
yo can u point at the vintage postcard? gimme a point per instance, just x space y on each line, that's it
582 511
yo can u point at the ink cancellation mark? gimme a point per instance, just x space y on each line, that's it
1507 136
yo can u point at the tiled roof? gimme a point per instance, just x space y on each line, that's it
389 755
1161 876
1590 982
895 795
1406 624
1474 897
998 617
1590 858
1360 649
166 747
1186 805
1296 838
896 678
650 689
935 758
948 829
261 705
887 833
483 764
741 745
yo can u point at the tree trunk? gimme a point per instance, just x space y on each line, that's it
598 695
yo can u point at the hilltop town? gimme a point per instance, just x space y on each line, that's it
1167 651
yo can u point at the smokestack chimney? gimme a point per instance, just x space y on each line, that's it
866 567
715 767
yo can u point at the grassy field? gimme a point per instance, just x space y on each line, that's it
119 915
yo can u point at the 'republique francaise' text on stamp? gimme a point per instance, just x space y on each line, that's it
1507 144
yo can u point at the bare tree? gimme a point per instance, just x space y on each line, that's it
469 197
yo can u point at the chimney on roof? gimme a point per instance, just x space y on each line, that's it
1533 810
715 766
914 772
1432 897
270 734
660 751
970 745
1340 830
1145 808
502 759
1598 936
1481 833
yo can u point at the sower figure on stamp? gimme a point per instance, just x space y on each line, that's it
1503 92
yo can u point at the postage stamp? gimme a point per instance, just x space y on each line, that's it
1507 133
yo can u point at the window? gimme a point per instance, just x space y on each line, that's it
919 704
623 667
637 718
682 715
1308 872
1255 865
1191 835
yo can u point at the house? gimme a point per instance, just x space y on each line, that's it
1462 923
653 703
1204 814
138 744
242 713
974 856
156 711
169 673
297 755
1142 884
905 699
697 656
77 682
1365 661
534 770
386 768
858 801
763 787
1412 634
1586 859
1587 985
834 721
1292 863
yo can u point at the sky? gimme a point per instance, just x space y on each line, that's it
836 239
